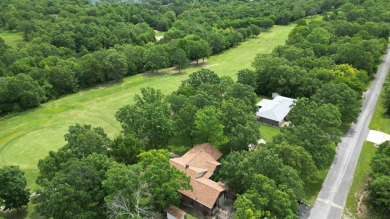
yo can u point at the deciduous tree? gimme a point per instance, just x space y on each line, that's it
163 180
180 59
240 124
313 139
13 191
76 190
125 149
82 140
208 127
149 119
248 77
343 97
379 187
200 77
265 199
115 65
297 158
155 58
239 168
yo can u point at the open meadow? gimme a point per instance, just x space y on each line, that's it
29 136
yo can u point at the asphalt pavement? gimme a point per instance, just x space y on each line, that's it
331 199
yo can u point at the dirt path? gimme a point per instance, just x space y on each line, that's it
361 208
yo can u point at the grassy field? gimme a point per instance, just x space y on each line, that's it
313 188
380 122
268 132
360 178
11 38
29 136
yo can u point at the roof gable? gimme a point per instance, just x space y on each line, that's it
200 163
276 109
204 191
206 147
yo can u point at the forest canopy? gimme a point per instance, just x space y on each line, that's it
69 45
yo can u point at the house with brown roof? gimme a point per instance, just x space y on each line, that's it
201 163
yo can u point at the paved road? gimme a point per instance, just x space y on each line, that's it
331 200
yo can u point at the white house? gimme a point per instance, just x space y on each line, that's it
273 112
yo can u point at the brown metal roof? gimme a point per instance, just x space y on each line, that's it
200 163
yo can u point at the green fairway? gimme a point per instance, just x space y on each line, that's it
11 38
29 136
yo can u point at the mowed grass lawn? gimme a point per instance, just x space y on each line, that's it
29 136
11 38
380 122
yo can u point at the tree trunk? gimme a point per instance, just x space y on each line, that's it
197 61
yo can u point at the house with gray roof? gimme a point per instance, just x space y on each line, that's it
273 112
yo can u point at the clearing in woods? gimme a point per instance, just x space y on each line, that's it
11 38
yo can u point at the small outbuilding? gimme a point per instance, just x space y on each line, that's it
273 112
175 213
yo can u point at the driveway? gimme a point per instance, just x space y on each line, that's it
377 137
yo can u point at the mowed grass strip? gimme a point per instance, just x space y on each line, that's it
11 38
360 178
313 187
381 121
29 136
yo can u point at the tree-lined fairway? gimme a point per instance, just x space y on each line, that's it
29 136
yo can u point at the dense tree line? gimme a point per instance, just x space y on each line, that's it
379 185
73 44
315 55
387 97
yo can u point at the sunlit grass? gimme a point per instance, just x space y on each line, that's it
11 38
360 177
313 188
